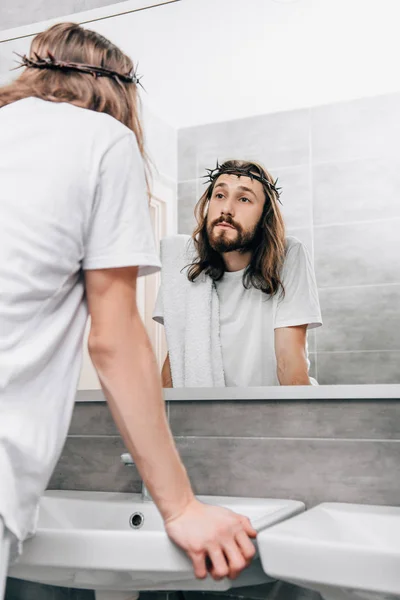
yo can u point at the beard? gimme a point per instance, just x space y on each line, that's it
221 241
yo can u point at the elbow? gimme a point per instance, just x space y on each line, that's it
293 372
101 349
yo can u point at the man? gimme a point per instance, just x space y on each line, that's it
75 234
264 282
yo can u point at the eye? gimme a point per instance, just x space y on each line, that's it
244 199
219 195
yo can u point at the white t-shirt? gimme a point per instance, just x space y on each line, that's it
248 318
72 197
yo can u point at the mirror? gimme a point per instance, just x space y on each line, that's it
310 89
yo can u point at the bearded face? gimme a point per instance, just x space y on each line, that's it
234 213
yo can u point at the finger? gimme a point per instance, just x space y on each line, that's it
245 545
199 564
248 527
236 560
220 567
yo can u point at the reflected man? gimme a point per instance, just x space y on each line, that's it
240 291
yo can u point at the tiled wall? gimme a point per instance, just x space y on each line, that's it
339 167
315 451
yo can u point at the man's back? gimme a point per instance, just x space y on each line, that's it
50 171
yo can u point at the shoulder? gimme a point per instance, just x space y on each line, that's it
91 118
100 126
296 254
97 131
292 242
294 247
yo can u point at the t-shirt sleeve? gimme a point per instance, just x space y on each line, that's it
119 232
300 303
158 312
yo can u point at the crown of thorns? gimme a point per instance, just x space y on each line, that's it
212 175
49 62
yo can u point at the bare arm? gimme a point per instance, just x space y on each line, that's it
128 372
290 351
122 355
166 376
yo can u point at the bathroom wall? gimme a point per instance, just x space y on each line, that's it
338 166
14 13
315 451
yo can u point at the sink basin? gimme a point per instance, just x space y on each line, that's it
117 542
342 551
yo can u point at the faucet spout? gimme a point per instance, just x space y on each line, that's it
128 461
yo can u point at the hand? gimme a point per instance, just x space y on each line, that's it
213 535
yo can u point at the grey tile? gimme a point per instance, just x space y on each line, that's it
276 140
359 319
187 199
350 419
340 368
77 594
19 589
92 418
295 195
357 253
358 190
365 128
279 590
94 464
312 471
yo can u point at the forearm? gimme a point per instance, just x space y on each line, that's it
293 372
129 376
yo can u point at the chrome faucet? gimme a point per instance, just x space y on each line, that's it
128 461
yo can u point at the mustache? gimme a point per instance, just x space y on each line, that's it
226 219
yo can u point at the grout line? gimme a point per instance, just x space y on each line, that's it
295 439
94 435
343 161
346 223
363 285
355 351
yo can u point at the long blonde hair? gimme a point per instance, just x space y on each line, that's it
71 43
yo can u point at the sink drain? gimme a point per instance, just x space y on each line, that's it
136 520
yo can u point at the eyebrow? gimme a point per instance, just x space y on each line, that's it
242 188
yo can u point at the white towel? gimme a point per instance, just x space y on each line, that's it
191 318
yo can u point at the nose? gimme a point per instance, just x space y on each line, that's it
227 207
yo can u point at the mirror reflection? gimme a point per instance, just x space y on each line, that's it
278 123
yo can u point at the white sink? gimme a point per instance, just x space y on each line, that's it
341 550
85 540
